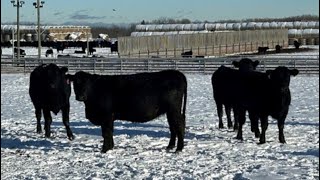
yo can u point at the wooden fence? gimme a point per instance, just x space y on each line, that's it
306 64
202 44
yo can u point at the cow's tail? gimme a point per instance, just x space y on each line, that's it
184 101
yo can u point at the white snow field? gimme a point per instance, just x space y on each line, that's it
139 152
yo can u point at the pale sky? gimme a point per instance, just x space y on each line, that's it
130 11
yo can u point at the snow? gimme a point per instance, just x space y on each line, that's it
139 152
32 52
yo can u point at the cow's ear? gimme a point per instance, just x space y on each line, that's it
294 72
235 63
64 69
69 77
256 63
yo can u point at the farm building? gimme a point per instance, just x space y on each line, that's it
49 33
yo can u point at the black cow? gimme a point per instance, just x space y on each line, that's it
263 95
262 50
91 50
187 54
114 47
136 98
60 48
278 48
224 89
49 51
22 52
50 92
296 44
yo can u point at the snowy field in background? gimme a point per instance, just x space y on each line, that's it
32 52
139 151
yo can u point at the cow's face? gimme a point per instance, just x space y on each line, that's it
281 76
54 77
246 64
81 84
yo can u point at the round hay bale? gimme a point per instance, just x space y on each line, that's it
7 37
28 37
34 37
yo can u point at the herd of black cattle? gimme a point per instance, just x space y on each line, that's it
144 96
60 46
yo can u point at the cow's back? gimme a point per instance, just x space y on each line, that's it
224 82
143 96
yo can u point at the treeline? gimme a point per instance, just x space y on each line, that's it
119 31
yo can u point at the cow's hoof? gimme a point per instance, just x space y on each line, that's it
221 126
39 131
47 135
261 142
178 151
104 150
71 137
282 141
170 147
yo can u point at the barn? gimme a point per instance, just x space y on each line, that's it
50 33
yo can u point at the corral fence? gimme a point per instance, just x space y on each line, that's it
305 64
202 44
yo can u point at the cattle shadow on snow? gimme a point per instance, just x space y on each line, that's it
309 152
120 128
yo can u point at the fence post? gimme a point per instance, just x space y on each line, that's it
205 50
24 68
166 52
212 50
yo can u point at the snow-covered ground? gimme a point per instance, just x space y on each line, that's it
139 153
32 52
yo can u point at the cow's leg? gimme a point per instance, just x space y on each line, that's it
65 119
220 114
181 126
281 126
38 116
264 127
173 131
47 122
228 113
254 119
107 134
236 119
242 119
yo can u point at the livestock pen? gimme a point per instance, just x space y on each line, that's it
305 64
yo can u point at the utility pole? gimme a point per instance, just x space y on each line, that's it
39 5
18 4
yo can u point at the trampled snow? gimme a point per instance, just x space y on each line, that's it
139 152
